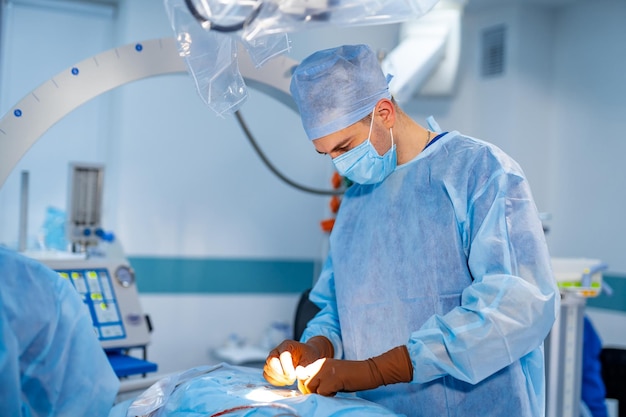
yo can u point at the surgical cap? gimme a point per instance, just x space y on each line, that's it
337 87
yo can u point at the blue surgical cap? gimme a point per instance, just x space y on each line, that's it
337 87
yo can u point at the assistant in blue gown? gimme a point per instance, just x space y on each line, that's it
51 363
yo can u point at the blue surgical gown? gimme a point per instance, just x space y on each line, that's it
448 257
51 363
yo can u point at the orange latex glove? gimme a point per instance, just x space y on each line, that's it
329 376
279 368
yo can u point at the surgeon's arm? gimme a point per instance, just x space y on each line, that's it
326 321
512 303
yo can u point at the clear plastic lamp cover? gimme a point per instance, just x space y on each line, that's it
209 31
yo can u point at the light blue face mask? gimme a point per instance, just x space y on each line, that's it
363 164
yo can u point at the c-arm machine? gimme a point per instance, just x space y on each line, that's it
106 283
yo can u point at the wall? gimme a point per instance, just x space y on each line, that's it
557 110
182 184
188 187
589 89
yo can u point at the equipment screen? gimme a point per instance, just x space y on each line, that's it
95 289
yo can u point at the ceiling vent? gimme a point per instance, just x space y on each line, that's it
493 51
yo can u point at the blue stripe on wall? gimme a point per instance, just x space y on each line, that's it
191 275
616 301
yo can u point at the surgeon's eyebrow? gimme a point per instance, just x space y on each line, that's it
341 145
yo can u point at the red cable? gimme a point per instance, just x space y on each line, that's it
249 406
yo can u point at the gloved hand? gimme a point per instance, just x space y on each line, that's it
328 376
279 368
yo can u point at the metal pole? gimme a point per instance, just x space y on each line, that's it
564 359
23 228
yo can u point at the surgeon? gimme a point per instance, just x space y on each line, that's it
437 292
51 363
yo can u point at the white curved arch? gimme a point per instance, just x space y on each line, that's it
38 111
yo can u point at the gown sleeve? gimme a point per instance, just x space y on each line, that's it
326 321
511 305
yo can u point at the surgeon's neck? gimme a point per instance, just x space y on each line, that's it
410 137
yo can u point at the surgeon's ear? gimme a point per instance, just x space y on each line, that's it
386 111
